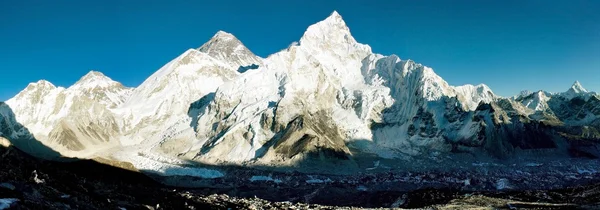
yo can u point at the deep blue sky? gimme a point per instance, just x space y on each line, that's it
509 45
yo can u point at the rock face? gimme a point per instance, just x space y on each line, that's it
326 98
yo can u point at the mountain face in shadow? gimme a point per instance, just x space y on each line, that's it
20 137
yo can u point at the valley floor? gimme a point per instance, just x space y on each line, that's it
29 183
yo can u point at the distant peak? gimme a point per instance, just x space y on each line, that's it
525 93
35 87
335 17
332 30
578 88
93 74
221 38
94 79
482 86
335 13
223 34
220 41
226 47
333 22
42 83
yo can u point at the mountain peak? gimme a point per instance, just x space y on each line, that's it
44 84
577 88
227 48
36 89
331 27
332 33
93 74
94 79
335 13
335 17
223 35
220 41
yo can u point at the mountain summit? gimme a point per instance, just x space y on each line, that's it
225 47
331 34
95 79
577 88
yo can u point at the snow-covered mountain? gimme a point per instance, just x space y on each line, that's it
326 98
160 104
75 120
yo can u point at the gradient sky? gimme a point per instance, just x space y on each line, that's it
510 45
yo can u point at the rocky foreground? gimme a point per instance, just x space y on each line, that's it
30 183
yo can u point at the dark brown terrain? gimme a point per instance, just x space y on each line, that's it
87 184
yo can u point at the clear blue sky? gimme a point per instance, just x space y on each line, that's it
511 45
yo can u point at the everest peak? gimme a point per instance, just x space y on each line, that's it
224 35
221 41
227 48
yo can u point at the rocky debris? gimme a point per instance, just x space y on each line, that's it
483 202
87 184
225 201
30 183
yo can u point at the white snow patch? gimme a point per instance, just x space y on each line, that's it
318 181
586 171
265 178
375 165
166 166
533 164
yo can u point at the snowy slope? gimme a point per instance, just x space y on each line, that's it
159 106
333 90
78 118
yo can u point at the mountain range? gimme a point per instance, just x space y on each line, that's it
325 99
